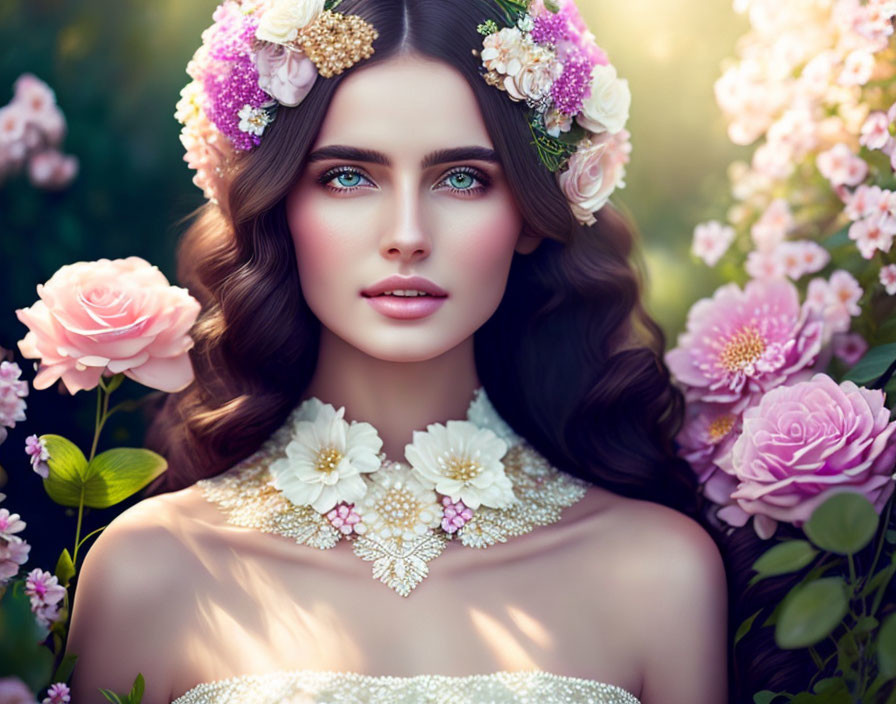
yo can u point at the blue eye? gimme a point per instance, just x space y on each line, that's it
347 178
464 181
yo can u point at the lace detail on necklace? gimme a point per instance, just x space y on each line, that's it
306 686
247 496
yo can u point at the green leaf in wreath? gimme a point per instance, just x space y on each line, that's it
886 647
784 558
873 364
68 470
810 612
65 568
844 523
21 652
114 475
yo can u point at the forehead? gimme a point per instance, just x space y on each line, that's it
405 104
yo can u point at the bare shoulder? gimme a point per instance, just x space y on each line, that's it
672 582
124 606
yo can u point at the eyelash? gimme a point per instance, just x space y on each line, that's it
325 179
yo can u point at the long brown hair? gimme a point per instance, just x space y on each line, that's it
570 359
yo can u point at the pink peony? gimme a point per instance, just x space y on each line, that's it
12 397
805 442
744 342
110 317
14 691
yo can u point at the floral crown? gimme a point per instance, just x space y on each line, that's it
260 54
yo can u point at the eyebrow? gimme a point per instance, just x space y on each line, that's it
440 156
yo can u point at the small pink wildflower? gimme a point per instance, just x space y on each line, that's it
10 523
888 278
849 347
345 518
869 236
58 693
841 167
36 449
13 552
711 241
12 393
46 593
454 514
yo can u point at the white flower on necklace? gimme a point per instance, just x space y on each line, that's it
462 461
325 458
399 505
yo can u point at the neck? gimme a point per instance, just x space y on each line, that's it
397 398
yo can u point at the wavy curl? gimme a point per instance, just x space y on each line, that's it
570 358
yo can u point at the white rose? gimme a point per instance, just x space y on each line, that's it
606 110
535 79
283 20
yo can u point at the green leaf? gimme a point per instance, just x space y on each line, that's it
845 523
766 696
890 537
810 612
873 364
886 647
885 575
65 568
136 694
829 684
68 470
116 474
21 652
783 558
745 627
64 671
552 6
111 696
866 624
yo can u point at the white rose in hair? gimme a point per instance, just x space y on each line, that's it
533 82
606 110
282 21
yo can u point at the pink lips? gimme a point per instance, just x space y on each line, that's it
406 308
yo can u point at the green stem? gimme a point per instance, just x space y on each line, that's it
78 529
84 539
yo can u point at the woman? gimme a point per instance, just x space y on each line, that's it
508 432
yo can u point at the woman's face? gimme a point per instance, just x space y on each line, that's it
403 182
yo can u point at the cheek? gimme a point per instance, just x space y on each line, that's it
483 248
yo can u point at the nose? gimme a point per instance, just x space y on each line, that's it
406 239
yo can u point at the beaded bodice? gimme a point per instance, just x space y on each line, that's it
307 686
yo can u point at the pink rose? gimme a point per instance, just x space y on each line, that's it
594 172
286 74
110 317
805 442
